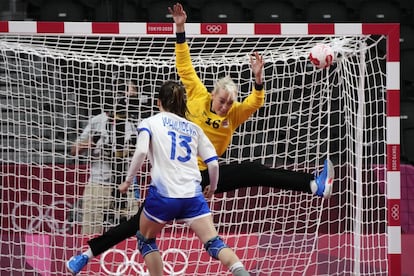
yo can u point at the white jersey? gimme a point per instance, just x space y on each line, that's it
175 144
100 126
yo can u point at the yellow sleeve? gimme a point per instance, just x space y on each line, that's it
242 111
188 76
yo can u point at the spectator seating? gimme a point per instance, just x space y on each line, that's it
225 11
379 11
221 11
320 11
86 3
60 10
157 11
407 61
407 37
104 11
407 129
407 66
129 12
272 11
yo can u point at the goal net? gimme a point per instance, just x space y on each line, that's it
52 84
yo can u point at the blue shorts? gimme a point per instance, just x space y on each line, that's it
164 209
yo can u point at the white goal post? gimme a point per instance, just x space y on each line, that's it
54 76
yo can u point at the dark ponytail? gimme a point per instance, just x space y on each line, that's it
173 98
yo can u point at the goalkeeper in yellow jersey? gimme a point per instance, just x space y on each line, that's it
219 114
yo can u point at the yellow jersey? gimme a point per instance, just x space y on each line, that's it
218 129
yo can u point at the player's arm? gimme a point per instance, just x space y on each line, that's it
257 64
185 69
213 173
188 76
208 154
242 111
138 159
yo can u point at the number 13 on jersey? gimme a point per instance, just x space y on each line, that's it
183 141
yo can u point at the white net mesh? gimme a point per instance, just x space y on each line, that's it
50 86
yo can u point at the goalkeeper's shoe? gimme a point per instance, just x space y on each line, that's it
76 263
325 180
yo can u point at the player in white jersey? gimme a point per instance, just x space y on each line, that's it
172 144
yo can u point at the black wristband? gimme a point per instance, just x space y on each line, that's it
258 86
180 37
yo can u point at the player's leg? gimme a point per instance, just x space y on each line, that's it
158 210
197 215
116 234
324 180
101 243
250 174
146 238
215 247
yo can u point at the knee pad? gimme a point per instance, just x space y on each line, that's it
146 246
214 246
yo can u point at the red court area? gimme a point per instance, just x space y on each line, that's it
31 243
46 255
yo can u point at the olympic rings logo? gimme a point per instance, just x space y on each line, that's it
395 212
213 28
35 215
139 268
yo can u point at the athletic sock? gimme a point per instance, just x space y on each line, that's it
89 253
313 186
237 269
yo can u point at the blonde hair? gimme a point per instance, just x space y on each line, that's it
228 85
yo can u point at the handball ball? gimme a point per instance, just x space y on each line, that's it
321 55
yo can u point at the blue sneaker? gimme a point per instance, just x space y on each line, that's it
325 179
76 263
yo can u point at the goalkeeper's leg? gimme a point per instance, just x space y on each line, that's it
115 235
105 241
252 174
